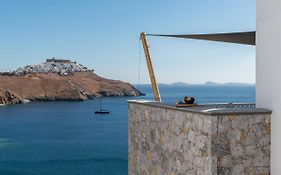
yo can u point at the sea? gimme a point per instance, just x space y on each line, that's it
68 138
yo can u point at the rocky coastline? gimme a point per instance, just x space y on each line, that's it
58 80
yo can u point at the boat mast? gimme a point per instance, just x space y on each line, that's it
150 68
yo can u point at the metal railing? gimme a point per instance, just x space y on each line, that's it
230 105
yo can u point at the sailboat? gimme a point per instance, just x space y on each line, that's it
101 111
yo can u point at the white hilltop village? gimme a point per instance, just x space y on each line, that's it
62 67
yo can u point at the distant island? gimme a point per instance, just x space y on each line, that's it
172 84
228 83
58 80
208 83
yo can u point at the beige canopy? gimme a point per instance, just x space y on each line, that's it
247 38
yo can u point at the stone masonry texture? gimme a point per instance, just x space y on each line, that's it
166 141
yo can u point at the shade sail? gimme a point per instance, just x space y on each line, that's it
247 38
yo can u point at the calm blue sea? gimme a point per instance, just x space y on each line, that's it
67 138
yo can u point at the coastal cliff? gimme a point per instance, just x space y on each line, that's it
58 80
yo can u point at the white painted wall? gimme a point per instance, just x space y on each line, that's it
268 71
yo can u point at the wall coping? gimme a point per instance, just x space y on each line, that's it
206 109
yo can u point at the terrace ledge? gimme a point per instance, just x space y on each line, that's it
212 109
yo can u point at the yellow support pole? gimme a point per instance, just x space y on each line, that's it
150 68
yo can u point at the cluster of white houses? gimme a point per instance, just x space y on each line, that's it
60 66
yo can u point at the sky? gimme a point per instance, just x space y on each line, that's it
104 35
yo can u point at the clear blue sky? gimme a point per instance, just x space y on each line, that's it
104 35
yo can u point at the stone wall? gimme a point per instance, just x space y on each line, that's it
167 140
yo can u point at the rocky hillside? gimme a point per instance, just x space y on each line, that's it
56 80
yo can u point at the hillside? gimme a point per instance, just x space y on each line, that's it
57 80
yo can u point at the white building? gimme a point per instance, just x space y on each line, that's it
268 71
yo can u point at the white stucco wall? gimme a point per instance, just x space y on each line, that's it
268 71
